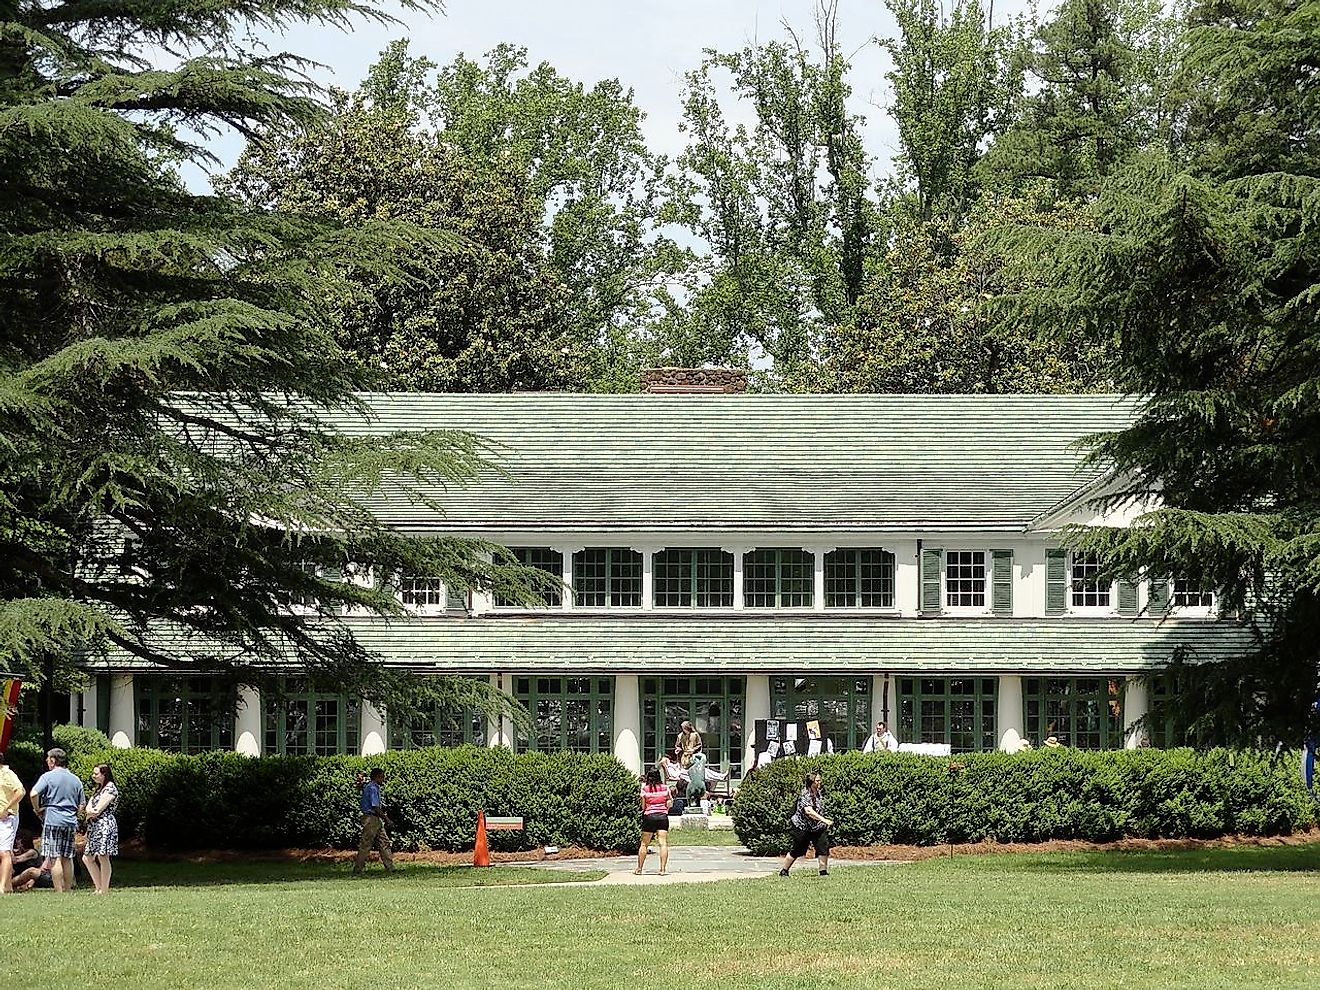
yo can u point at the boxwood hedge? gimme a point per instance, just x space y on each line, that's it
224 800
878 799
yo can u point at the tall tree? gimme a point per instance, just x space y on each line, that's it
783 207
957 80
1211 279
167 361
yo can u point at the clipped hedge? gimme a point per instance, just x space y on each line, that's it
228 801
878 799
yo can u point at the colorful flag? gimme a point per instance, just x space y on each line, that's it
9 688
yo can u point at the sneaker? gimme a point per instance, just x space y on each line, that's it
824 873
783 873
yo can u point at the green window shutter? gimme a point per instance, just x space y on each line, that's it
1056 582
1159 597
1001 588
1127 596
932 581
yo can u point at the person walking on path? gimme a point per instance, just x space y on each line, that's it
374 820
655 799
810 826
11 796
56 797
102 827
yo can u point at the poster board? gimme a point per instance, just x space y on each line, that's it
777 738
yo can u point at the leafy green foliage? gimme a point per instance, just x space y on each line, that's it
1030 797
228 801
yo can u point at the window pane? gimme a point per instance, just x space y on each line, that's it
965 578
1087 590
543 559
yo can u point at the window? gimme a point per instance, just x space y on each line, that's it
184 714
693 577
543 559
957 711
1084 712
571 713
964 579
423 594
1189 594
444 727
842 704
859 578
1088 591
607 577
778 578
303 722
713 704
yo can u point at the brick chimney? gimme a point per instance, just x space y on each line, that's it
694 381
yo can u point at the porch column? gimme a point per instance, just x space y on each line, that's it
123 726
373 730
628 722
1012 725
89 704
247 722
882 707
499 731
756 706
1136 705
737 575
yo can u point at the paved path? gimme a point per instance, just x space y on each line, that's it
693 864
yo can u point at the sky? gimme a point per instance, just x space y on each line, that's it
646 44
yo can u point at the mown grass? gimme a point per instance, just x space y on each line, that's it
1221 918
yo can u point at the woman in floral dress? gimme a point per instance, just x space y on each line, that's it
102 827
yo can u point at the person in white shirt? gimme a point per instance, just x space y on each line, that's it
881 740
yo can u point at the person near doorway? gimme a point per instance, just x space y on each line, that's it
687 744
881 740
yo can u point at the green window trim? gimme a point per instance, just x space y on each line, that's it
1001 584
705 701
607 577
303 722
546 559
841 703
1127 597
775 577
859 577
692 577
572 714
1082 712
932 581
183 714
1056 581
447 728
959 712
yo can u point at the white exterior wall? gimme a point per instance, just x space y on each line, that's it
247 723
123 722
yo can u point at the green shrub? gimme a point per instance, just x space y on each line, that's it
877 799
224 800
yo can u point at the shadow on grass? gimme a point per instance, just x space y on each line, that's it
145 873
1225 859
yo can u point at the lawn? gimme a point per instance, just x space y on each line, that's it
1235 918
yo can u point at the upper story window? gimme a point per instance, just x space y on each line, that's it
607 577
778 578
1189 594
861 577
1088 591
543 559
693 577
964 579
423 594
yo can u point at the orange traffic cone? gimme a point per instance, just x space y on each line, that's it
481 854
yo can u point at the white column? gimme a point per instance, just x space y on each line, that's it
1136 705
566 574
499 731
648 577
907 596
247 722
737 575
818 577
89 703
1012 725
756 706
373 730
878 705
122 722
628 722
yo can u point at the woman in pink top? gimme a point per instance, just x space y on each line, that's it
655 800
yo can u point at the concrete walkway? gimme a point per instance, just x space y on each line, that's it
694 864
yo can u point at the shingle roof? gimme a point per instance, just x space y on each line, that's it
649 643
753 462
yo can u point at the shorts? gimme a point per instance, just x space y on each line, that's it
8 831
803 840
57 841
655 823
